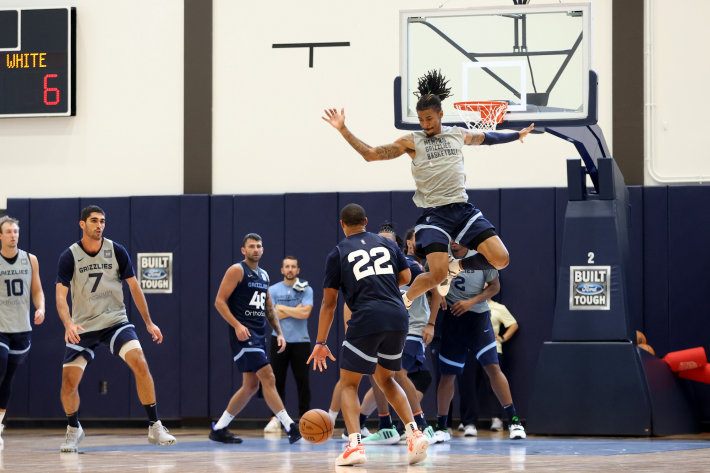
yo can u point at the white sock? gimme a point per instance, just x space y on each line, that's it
2 416
286 421
355 439
410 427
223 421
333 415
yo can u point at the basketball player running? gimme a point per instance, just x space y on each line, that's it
467 331
440 178
244 302
95 268
19 277
368 269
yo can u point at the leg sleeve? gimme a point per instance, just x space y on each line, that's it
300 354
6 385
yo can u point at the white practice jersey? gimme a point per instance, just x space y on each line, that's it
15 291
438 168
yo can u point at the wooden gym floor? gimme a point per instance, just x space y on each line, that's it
127 450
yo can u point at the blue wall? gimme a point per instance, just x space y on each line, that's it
194 375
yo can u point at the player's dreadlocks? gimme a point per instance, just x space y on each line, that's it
388 227
432 90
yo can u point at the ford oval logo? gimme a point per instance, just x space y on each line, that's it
590 289
154 274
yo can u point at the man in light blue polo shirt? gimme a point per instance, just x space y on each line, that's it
293 302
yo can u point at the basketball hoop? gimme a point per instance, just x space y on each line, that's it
481 116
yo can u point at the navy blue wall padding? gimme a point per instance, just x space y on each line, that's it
263 215
527 229
106 367
194 305
655 268
53 227
311 233
404 212
221 258
20 402
561 199
155 227
378 208
488 202
689 278
634 271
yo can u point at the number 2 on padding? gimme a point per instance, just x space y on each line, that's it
378 266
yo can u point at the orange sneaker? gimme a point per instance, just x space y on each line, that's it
417 445
352 456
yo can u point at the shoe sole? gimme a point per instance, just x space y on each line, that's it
163 444
356 461
471 435
518 437
420 455
390 441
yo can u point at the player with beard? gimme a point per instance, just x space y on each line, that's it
19 279
439 174
243 301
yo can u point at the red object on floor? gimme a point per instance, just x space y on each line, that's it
684 360
698 374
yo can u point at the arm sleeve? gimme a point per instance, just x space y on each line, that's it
332 270
307 297
65 268
490 274
498 138
125 267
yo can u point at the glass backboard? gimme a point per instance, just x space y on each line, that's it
535 58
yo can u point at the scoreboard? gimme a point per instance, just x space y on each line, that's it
37 62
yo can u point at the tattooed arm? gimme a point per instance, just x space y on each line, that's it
273 320
379 153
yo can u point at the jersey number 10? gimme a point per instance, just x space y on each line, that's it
378 267
14 287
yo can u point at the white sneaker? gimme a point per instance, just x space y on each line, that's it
450 431
417 446
2 427
461 428
470 431
159 434
496 424
517 431
441 436
74 436
352 456
454 269
364 432
274 425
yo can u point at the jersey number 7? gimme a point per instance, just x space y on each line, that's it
378 267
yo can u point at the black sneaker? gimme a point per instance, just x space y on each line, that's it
294 433
223 435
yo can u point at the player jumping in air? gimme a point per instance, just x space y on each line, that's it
440 178
369 269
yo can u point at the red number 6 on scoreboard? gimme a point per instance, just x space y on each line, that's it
51 89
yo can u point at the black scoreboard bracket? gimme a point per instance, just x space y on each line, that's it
37 62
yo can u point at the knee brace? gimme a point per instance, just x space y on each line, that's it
128 346
421 380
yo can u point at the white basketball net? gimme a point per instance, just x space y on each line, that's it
483 116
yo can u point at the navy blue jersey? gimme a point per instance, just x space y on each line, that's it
365 267
248 300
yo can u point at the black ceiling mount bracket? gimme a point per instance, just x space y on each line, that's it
310 46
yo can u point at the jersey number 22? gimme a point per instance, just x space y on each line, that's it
378 267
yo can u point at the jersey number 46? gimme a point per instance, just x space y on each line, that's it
258 300
378 267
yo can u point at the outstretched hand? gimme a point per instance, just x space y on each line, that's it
524 132
320 352
337 120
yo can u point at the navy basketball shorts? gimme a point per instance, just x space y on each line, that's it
470 333
460 222
113 338
413 357
249 355
15 347
363 354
